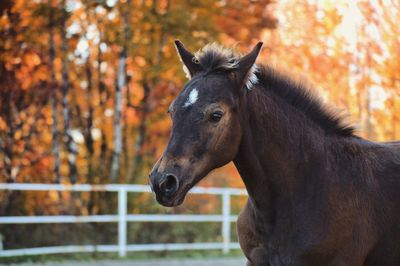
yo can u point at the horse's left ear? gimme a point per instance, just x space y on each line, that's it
247 67
191 64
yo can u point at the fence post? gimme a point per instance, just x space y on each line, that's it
122 223
226 223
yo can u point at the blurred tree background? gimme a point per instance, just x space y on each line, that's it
85 86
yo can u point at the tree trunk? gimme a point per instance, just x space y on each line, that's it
89 123
102 100
53 88
121 82
125 135
117 115
367 97
9 146
69 143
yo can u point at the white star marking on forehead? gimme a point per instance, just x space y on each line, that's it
193 97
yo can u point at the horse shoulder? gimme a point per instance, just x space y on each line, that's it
246 232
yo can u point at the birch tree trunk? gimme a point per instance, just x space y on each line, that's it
53 88
117 115
121 82
102 100
69 143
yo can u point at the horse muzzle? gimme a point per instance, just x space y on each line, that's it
166 187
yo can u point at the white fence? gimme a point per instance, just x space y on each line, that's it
122 218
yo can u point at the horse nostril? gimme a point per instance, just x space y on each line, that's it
169 185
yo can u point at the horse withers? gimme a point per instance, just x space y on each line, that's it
318 194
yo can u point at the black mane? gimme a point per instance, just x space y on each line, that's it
298 95
214 57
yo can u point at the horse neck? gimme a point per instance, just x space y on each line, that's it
279 147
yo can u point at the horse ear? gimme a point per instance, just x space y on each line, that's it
191 64
247 67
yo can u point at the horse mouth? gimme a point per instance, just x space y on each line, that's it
174 200
166 202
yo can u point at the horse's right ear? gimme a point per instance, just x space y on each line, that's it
191 64
247 67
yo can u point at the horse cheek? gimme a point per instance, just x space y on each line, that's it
226 143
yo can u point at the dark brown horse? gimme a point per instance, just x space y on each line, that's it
318 194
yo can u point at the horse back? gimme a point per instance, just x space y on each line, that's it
386 204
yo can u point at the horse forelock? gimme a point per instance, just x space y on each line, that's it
213 57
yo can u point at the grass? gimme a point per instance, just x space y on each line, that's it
130 256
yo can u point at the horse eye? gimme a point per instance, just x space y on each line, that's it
216 116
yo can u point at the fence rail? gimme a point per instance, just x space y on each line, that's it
122 218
